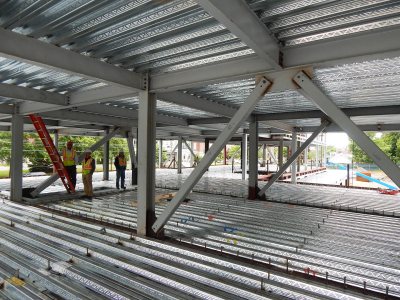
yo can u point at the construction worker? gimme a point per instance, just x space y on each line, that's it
70 160
120 166
88 167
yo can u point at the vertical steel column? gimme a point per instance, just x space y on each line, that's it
206 147
325 154
280 154
132 156
264 155
17 145
292 158
106 157
316 154
294 149
241 115
180 155
160 146
312 92
225 156
253 160
271 153
244 156
146 164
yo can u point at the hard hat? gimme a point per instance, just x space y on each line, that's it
121 151
88 151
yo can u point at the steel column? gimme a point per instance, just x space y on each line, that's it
17 146
106 157
55 140
271 153
54 177
225 136
264 155
244 156
280 153
132 156
293 158
160 146
180 155
253 160
312 92
146 165
294 149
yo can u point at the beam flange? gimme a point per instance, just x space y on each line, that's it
240 20
22 48
312 92
241 115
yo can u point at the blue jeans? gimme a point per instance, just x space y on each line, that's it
121 175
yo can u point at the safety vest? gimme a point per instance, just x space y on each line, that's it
122 162
87 166
69 157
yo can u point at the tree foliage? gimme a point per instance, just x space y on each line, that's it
389 143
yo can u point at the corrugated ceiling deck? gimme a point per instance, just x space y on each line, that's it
366 84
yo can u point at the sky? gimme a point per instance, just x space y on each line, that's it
338 139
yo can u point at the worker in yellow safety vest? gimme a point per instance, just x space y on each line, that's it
120 166
88 167
70 160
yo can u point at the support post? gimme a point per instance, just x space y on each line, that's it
312 92
190 149
17 145
294 149
242 114
244 156
273 157
280 154
316 155
160 152
180 155
49 181
146 165
292 158
206 147
225 156
132 156
106 157
264 155
253 160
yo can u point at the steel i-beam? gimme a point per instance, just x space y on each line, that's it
54 177
225 136
293 158
325 104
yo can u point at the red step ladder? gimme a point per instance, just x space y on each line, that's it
52 151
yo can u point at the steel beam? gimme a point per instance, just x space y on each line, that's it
311 114
241 115
160 152
243 156
106 157
146 164
312 92
294 149
22 48
253 161
49 181
240 20
132 156
17 146
366 127
29 94
293 158
197 103
180 143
